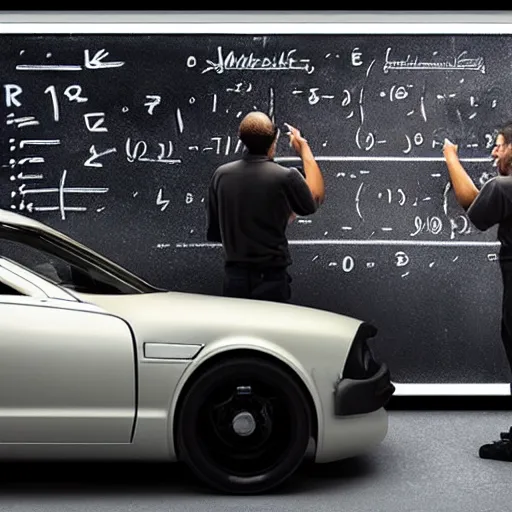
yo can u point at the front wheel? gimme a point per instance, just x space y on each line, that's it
244 426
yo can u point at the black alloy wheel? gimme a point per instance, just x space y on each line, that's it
244 426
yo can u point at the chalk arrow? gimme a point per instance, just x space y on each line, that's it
97 61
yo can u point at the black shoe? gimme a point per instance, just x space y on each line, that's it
497 450
506 436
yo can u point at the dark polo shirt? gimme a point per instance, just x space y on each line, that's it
493 205
249 203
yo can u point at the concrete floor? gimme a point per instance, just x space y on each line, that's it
428 462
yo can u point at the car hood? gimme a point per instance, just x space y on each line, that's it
196 318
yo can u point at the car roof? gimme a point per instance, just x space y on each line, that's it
19 220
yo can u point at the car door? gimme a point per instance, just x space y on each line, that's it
67 369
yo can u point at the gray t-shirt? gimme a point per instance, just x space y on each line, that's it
493 205
249 205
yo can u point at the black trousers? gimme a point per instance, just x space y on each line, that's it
272 284
506 309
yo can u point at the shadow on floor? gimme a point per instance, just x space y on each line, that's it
37 479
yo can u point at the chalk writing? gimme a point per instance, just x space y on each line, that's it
285 60
459 62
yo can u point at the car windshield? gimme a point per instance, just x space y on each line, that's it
67 264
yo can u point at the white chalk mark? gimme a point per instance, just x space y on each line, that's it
90 162
358 195
48 67
369 68
179 120
445 197
21 121
419 243
154 101
68 190
58 208
22 176
214 108
31 160
97 60
423 112
271 103
39 142
401 201
228 146
161 201
381 159
28 123
61 194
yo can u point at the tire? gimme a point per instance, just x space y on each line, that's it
222 451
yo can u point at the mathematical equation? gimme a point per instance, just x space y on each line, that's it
349 261
389 103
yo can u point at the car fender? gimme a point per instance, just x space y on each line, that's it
233 343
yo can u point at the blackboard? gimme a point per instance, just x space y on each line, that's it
112 138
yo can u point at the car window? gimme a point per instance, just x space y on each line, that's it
57 270
5 289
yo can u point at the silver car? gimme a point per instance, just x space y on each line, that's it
98 364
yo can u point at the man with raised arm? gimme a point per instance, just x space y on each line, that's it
487 207
250 203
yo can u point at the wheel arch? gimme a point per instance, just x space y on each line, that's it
231 353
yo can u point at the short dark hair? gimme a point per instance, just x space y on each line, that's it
257 132
506 131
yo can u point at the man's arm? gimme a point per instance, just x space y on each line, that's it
464 188
314 177
212 216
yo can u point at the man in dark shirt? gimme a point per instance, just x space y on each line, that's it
250 204
487 207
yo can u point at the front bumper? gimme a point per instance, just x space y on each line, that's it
362 396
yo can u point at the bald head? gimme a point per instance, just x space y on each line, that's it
257 132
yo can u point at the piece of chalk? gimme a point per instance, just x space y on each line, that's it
447 141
